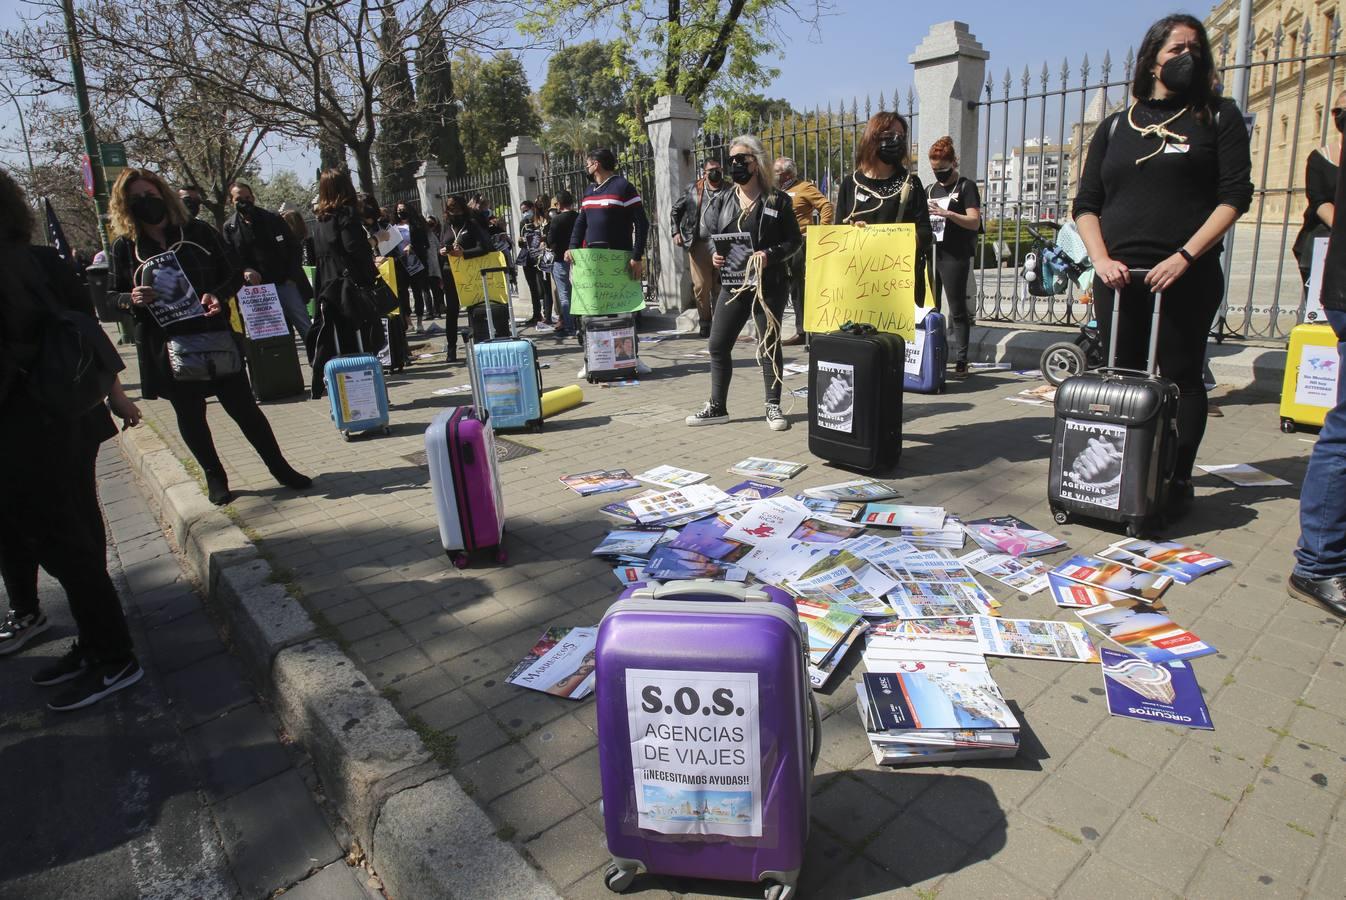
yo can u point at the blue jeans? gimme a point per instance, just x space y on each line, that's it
296 311
560 278
1322 502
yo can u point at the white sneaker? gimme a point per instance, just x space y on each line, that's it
642 368
775 418
583 372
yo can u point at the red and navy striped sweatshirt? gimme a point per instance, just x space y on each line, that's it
609 215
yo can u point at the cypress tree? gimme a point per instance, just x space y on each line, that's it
438 107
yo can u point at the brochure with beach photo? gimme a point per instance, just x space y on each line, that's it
863 490
599 481
1162 692
561 663
629 543
1035 639
1095 571
1184 563
1026 576
1140 628
770 469
671 477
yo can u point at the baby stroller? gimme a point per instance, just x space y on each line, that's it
1049 268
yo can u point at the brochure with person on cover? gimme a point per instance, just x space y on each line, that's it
561 663
1162 692
1143 630
1012 535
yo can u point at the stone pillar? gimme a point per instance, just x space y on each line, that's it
523 169
950 71
672 126
432 184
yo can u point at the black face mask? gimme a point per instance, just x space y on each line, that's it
193 206
244 207
1178 73
893 151
1339 119
714 176
149 209
457 220
740 172
943 175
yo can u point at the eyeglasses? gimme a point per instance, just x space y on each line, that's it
742 158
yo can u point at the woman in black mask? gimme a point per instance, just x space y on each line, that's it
150 220
465 237
1320 186
754 206
955 209
882 191
1163 181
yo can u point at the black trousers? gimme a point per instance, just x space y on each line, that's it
540 289
731 314
451 308
1189 308
420 291
437 297
796 277
951 280
235 396
45 519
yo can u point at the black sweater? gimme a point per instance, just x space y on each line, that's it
1320 186
1148 210
875 202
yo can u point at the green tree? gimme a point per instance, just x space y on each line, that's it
437 109
703 50
496 106
744 113
283 189
396 145
582 87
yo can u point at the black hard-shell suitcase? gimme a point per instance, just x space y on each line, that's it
273 367
611 348
500 321
855 397
1114 445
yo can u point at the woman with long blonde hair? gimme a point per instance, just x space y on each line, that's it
186 349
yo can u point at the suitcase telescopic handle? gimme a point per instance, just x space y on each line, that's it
486 303
1154 327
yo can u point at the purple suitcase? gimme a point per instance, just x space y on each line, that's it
684 673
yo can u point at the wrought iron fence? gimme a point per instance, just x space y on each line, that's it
492 187
1035 135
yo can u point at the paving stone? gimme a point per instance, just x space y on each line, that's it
208 689
1034 853
274 834
569 850
1169 857
1281 846
850 810
1223 876
1099 878
535 807
183 641
337 881
582 777
236 751
1070 809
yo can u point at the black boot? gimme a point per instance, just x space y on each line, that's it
287 476
217 487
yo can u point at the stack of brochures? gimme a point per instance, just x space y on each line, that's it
862 490
940 713
600 481
769 469
671 477
949 535
666 506
832 630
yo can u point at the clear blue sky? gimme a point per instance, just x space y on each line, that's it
862 48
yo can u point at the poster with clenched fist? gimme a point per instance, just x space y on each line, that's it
1091 463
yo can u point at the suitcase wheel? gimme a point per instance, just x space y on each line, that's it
387 431
780 892
346 436
1288 425
459 560
1135 529
618 879
502 556
1060 516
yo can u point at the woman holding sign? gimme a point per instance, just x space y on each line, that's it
882 191
759 220
153 226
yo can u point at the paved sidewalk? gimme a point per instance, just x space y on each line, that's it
177 787
1093 806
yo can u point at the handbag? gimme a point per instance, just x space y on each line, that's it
204 356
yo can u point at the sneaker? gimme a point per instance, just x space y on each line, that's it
69 666
15 631
960 369
642 368
583 372
775 418
434 328
97 682
711 414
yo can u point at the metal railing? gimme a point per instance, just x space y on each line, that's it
1036 131
493 186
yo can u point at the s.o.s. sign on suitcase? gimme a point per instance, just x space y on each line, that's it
1114 446
460 451
707 734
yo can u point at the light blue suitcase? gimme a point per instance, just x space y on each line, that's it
510 376
358 392
927 357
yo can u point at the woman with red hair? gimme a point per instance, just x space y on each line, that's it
955 209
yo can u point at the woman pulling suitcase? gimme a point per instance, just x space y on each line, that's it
1163 181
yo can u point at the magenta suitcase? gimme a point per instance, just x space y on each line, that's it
707 734
465 479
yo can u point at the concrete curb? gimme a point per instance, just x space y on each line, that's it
424 836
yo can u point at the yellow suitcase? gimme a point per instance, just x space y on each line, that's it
1309 390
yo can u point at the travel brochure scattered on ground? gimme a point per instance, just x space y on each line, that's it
862 567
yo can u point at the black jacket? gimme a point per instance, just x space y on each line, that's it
344 258
777 229
887 208
470 236
268 245
688 210
1334 269
210 268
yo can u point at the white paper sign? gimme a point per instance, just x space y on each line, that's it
175 300
915 353
263 317
938 223
608 350
1313 303
695 751
1316 376
358 395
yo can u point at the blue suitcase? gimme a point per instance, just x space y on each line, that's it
358 392
511 378
927 357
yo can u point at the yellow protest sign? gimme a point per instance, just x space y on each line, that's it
388 272
467 278
862 275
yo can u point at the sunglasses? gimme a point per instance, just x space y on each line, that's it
1337 110
742 157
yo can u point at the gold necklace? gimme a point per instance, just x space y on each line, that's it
1159 130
